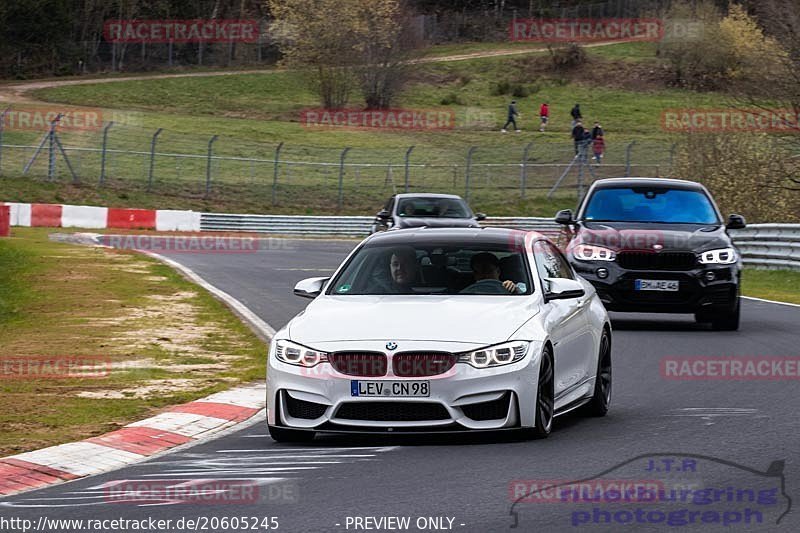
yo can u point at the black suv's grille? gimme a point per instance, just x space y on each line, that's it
369 364
493 410
303 409
420 364
392 411
657 260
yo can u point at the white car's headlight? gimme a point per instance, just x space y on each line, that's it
491 356
295 354
589 252
723 256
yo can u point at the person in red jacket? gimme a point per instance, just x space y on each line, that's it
598 147
544 115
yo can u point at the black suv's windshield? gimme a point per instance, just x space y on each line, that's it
647 204
431 207
450 268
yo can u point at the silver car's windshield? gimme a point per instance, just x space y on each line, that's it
432 207
499 270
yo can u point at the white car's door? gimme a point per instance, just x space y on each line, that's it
569 327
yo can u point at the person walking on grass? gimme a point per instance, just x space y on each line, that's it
597 130
598 147
544 115
576 114
512 115
578 132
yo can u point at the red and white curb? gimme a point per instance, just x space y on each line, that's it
188 423
84 216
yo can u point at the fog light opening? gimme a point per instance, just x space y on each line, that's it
602 273
710 276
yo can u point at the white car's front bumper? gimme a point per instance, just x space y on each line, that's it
463 398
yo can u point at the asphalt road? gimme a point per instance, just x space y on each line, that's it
733 447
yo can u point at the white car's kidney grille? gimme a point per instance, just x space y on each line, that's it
421 364
365 364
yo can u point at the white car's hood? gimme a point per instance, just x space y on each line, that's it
460 318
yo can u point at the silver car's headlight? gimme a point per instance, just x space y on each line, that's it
295 354
722 256
590 252
491 356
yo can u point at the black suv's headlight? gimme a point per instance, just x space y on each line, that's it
722 256
590 252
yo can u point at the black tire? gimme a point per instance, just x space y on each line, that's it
729 322
280 434
545 403
601 398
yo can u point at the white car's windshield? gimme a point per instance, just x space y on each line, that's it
435 269
675 206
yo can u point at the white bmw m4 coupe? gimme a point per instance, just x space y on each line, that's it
435 330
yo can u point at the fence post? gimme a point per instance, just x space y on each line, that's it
628 158
2 123
152 158
672 156
408 156
523 178
208 164
170 52
275 174
469 170
341 178
103 153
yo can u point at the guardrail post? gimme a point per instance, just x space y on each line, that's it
208 164
408 156
523 178
628 158
275 174
152 158
103 153
2 124
341 178
469 170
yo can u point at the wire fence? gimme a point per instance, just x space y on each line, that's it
130 157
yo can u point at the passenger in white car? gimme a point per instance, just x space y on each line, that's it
486 271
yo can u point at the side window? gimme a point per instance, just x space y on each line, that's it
389 204
550 263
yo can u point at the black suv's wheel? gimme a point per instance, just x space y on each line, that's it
601 400
545 403
280 434
728 322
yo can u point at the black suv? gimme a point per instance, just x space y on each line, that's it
657 245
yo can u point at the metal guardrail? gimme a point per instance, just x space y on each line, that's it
771 246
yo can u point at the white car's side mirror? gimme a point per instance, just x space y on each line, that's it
310 287
562 289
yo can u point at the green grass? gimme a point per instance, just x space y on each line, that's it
779 285
252 113
61 302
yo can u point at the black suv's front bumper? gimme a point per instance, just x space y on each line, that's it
706 289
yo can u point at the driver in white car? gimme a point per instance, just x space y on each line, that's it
486 271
